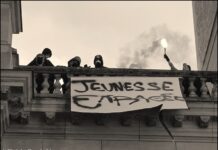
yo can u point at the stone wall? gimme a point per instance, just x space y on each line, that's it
11 23
48 144
205 23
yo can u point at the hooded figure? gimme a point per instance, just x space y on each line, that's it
98 61
72 63
42 60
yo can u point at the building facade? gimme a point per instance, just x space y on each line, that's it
205 25
40 120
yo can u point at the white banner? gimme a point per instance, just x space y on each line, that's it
120 94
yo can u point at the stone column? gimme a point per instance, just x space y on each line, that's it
11 23
6 37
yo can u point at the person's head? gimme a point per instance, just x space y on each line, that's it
186 67
74 62
47 53
98 61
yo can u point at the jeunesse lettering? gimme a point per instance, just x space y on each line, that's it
93 85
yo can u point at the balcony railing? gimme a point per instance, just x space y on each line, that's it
47 80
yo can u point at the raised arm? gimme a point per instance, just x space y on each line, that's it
170 63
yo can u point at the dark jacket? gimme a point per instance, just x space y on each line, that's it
40 60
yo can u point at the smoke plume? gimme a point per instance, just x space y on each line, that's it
145 52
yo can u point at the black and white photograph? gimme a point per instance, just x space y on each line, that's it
108 75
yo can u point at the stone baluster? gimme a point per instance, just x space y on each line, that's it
203 88
177 120
35 84
192 89
185 85
50 118
203 121
57 84
45 84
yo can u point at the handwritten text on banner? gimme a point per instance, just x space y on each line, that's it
121 94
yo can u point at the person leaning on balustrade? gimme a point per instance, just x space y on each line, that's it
186 67
42 60
72 63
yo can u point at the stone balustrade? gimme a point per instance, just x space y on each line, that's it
45 95
47 80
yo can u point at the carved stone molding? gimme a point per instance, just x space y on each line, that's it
177 120
125 120
15 108
75 118
203 121
50 118
150 121
24 118
99 120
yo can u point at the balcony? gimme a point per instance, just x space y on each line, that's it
42 108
